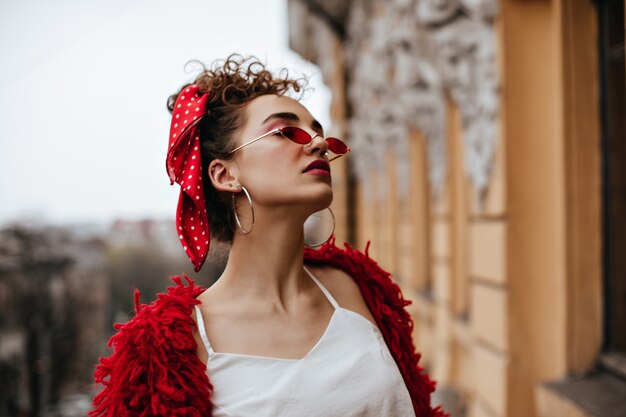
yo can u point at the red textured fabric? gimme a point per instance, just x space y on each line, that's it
155 371
184 166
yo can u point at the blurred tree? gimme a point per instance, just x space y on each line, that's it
40 331
60 292
148 267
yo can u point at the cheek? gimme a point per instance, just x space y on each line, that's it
272 174
278 160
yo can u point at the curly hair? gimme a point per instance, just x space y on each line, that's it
232 83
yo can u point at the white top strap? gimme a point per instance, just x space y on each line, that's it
202 330
330 298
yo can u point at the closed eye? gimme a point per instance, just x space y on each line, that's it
292 119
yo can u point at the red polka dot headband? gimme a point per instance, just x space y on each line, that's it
184 167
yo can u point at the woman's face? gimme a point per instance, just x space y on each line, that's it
275 170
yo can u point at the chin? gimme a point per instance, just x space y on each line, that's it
324 200
316 198
326 196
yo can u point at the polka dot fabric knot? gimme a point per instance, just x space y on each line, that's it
185 168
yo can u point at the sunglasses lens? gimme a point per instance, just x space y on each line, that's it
336 146
295 134
300 136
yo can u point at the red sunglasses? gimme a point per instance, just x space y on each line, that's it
301 137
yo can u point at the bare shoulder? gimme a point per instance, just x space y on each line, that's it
343 288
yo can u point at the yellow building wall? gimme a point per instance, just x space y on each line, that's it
505 297
506 294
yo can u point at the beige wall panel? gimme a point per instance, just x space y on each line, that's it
372 226
478 408
385 244
392 212
489 315
381 220
366 231
440 239
405 248
422 307
365 212
463 372
405 268
419 206
405 234
458 183
488 251
441 282
360 217
462 332
443 324
491 378
424 339
442 365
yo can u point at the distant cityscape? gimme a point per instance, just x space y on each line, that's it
61 290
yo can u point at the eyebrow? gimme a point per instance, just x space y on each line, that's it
292 117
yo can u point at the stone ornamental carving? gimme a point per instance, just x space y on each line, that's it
403 58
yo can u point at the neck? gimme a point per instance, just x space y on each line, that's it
267 264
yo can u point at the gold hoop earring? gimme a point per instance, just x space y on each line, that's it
332 231
243 231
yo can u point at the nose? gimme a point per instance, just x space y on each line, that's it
317 144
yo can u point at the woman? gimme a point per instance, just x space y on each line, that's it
272 337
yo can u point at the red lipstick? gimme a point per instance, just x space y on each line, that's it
318 167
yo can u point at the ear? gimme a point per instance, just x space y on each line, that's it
222 176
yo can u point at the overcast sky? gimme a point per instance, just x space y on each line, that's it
83 122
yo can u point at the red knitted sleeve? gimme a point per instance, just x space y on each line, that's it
154 369
387 305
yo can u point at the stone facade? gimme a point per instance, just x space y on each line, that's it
475 173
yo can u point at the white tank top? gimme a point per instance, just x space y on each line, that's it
348 373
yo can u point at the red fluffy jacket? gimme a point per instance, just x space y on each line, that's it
154 369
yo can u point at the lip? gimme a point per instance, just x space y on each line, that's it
318 165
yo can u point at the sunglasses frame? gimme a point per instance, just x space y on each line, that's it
279 130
